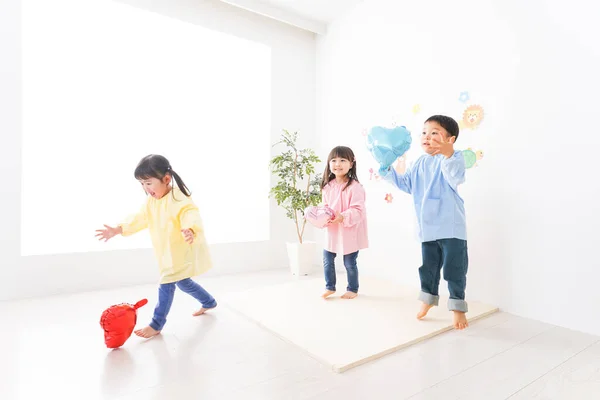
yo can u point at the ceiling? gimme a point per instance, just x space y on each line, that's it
312 15
319 10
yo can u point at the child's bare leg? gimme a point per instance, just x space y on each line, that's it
427 302
460 320
199 293
329 268
429 275
455 272
166 292
147 332
350 262
202 311
424 310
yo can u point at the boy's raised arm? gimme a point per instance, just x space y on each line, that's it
453 169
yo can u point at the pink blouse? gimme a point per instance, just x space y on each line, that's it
350 235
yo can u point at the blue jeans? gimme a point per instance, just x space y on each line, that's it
351 270
166 293
451 254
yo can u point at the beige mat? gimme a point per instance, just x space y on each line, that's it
346 333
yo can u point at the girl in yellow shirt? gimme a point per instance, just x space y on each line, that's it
177 237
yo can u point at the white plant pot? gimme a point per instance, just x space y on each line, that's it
301 257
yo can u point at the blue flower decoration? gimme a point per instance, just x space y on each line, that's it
464 97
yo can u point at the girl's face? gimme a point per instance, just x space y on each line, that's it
340 166
157 188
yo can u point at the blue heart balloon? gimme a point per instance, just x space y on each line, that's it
387 144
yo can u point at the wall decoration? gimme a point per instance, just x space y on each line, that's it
416 109
389 198
471 157
464 97
373 175
472 116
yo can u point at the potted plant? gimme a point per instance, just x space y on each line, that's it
298 187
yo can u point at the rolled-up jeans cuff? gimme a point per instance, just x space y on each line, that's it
429 299
458 305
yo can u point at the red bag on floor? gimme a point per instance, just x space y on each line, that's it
118 322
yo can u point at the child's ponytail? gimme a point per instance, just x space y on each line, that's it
180 184
156 166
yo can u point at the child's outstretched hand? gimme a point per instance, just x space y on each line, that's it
188 235
108 233
444 146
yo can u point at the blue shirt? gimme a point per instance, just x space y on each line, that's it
433 182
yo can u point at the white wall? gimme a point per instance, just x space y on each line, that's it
532 202
293 92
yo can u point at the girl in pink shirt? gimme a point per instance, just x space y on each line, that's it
347 232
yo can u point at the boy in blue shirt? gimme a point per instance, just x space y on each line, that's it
433 182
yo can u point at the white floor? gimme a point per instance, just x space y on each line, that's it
53 348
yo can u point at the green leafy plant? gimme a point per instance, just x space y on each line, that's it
298 186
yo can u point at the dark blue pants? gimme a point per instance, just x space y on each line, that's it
166 293
451 255
351 270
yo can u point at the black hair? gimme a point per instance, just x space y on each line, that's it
340 152
155 166
448 123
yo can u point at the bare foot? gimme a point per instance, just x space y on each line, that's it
327 293
424 310
202 311
349 295
147 332
460 320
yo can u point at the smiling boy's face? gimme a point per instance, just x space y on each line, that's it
433 130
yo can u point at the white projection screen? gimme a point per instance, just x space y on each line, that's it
105 84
